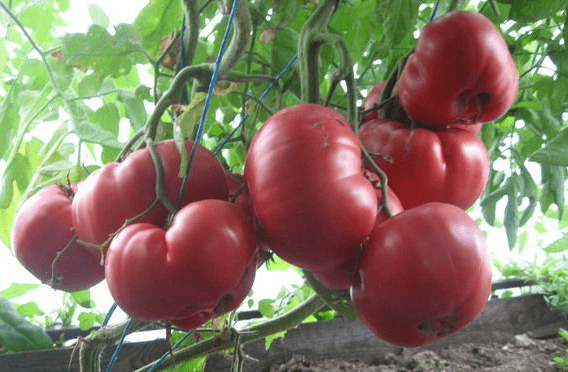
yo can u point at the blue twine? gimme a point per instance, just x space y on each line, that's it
163 357
119 346
264 94
109 315
212 84
435 10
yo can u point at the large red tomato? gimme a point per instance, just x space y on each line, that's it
43 227
460 72
450 165
342 275
120 191
374 96
425 273
191 271
312 204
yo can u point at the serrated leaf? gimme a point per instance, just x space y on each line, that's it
534 10
285 12
18 334
265 307
102 52
107 117
558 246
89 319
98 15
92 133
156 20
29 309
135 110
83 299
555 152
6 190
400 18
17 289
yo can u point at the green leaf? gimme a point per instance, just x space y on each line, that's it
156 20
534 10
553 191
107 117
92 133
400 18
555 152
511 219
269 339
265 307
558 246
30 309
189 119
285 12
102 52
98 15
89 319
9 121
16 290
6 190
18 334
135 110
83 299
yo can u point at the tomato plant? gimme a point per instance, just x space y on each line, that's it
196 269
43 240
311 203
121 191
460 72
450 165
425 273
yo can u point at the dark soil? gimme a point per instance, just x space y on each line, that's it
523 353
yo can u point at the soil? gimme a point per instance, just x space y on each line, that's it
523 353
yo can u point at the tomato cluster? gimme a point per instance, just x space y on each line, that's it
188 270
416 264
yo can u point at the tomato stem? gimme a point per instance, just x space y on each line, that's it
337 300
384 180
55 281
160 192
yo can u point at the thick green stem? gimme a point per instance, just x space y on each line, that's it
191 33
241 37
93 345
250 334
308 50
384 180
337 300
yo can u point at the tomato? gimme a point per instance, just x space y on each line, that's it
425 273
238 192
121 191
460 72
342 275
311 203
227 303
192 270
373 98
43 227
450 165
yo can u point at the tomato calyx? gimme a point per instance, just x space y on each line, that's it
441 326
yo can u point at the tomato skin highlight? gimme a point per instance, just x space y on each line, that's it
460 72
425 273
42 227
188 270
120 191
312 205
449 165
